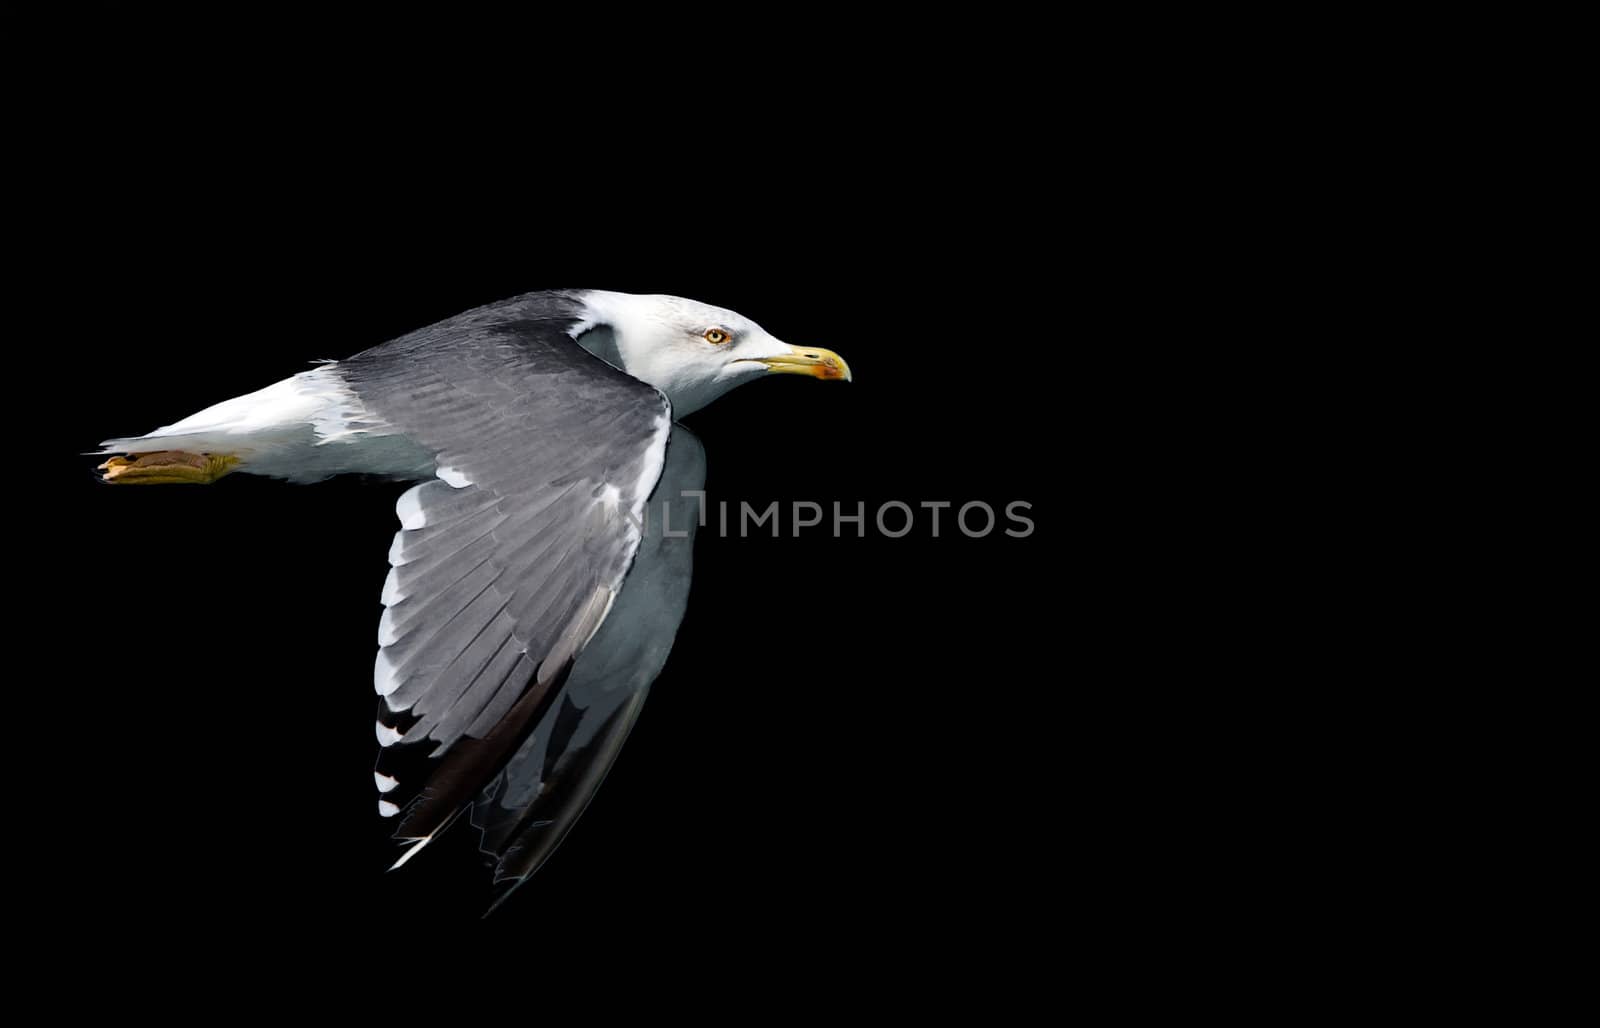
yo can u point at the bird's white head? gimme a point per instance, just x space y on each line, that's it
693 352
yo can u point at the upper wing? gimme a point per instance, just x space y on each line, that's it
506 565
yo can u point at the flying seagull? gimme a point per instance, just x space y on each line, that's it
532 598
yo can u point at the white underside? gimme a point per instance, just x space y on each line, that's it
305 428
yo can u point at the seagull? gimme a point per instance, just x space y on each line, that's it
542 564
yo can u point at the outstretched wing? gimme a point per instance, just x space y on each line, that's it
529 806
508 563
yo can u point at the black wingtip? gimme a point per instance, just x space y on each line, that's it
470 763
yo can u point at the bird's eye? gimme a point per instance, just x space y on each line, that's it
717 336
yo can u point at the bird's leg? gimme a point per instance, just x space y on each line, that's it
167 467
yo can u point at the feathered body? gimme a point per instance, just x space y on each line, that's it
533 594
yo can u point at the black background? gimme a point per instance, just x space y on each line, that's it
897 743
1112 272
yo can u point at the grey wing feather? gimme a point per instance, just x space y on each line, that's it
504 569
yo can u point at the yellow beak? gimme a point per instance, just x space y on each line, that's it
808 360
